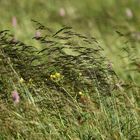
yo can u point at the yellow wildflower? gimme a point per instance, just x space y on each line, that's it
21 80
52 76
57 75
81 93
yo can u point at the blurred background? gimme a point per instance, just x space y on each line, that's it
106 20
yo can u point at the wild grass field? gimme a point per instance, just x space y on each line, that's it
70 70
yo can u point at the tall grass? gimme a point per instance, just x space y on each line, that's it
67 89
71 85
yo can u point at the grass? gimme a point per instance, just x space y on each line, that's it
71 85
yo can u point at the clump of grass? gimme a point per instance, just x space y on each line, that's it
68 89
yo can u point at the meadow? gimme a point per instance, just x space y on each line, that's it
69 70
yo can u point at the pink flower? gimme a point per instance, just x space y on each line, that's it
62 12
15 96
38 34
14 21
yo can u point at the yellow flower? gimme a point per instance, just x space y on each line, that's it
52 76
80 93
21 80
57 75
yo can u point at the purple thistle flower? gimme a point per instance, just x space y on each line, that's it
15 96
